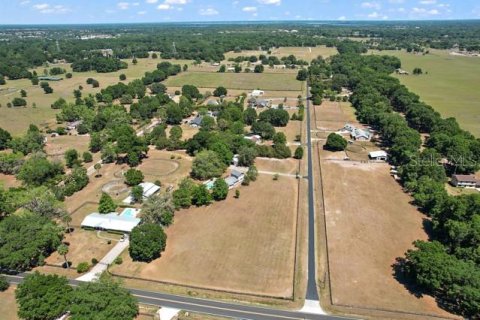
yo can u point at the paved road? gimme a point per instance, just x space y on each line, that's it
218 308
312 293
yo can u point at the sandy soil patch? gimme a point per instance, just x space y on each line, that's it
8 305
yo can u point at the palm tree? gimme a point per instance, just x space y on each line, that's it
63 250
67 219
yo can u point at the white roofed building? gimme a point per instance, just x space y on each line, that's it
149 189
111 221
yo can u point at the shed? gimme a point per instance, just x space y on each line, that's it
378 155
257 93
149 189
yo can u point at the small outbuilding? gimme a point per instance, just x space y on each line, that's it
149 189
257 93
378 155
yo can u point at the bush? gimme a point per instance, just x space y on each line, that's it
94 261
83 267
123 77
298 153
68 75
3 283
19 102
87 157
118 260
336 142
220 91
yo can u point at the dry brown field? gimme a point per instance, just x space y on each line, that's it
305 53
160 166
8 305
242 245
56 146
287 166
83 246
369 222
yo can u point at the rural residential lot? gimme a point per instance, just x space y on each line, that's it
240 171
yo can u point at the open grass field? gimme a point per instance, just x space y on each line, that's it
450 87
8 305
240 81
243 245
56 146
16 120
304 53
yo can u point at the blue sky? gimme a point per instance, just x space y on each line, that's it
110 11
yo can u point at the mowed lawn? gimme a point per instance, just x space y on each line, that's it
242 245
451 85
242 81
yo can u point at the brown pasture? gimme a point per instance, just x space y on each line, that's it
242 245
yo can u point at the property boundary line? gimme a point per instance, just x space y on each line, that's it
353 307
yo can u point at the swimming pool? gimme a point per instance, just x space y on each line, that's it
130 213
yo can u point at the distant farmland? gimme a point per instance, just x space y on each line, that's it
451 85
242 81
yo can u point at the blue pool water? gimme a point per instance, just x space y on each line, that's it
129 212
209 185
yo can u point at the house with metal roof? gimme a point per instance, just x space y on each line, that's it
110 222
379 155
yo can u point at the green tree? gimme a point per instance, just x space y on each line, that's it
246 156
182 197
26 240
258 68
302 75
220 190
4 284
335 142
201 196
207 164
133 177
252 173
158 209
109 155
97 168
104 299
122 77
298 153
37 170
137 194
23 93
174 113
222 69
5 139
250 116
147 242
223 151
63 251
106 204
43 297
220 91
279 138
19 102
71 158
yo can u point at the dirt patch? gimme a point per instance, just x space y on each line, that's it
370 222
8 305
9 181
242 245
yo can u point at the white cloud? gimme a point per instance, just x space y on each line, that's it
136 4
249 9
342 18
371 5
47 8
376 15
396 1
425 12
141 13
275 2
208 12
428 2
179 2
164 6
123 5
24 3
151 1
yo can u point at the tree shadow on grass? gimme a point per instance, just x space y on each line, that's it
401 275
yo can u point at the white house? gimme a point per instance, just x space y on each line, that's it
111 221
464 181
257 93
149 189
378 155
235 178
